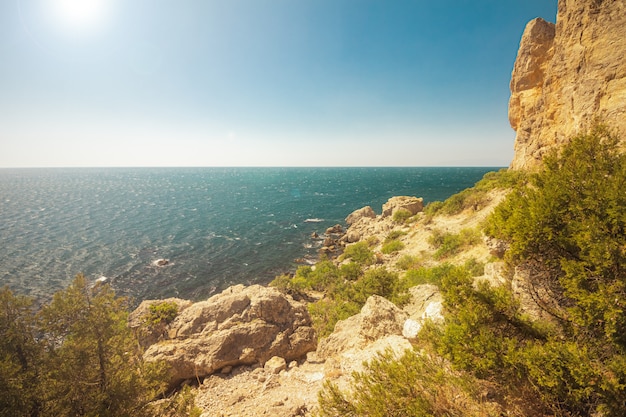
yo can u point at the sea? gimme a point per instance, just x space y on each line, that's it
216 227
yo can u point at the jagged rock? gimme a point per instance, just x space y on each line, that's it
412 204
352 236
378 318
363 213
240 326
567 76
334 230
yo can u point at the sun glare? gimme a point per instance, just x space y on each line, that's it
80 14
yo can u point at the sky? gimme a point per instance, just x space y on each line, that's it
108 83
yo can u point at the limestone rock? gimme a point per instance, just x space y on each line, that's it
275 365
378 318
425 302
363 213
413 204
240 326
568 75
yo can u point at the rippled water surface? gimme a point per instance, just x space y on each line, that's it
216 226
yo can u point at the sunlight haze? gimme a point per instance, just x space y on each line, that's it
259 83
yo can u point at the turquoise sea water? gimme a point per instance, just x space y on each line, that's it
216 226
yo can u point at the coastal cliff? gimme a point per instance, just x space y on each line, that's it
567 76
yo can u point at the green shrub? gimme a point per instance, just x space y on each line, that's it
162 313
475 268
360 253
351 271
412 385
449 244
392 246
425 275
401 216
407 262
477 195
394 235
326 313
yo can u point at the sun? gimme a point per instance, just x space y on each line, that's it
80 14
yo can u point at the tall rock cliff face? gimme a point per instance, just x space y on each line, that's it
568 75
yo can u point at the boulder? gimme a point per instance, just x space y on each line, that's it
378 318
241 326
412 204
334 230
275 365
363 213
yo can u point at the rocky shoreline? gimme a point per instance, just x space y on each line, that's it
252 350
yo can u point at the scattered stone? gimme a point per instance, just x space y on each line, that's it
275 365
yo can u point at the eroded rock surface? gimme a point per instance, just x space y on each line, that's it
240 326
568 75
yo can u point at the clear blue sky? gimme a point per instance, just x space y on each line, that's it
259 82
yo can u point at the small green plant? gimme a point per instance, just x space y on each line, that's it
433 275
395 234
475 267
407 262
181 404
449 244
162 313
401 216
392 246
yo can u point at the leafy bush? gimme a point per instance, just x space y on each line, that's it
392 246
423 275
162 313
449 244
407 262
413 385
360 253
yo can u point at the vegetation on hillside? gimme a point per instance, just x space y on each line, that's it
476 196
566 226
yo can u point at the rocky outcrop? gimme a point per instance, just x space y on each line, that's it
240 326
363 213
567 76
364 222
378 318
413 205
